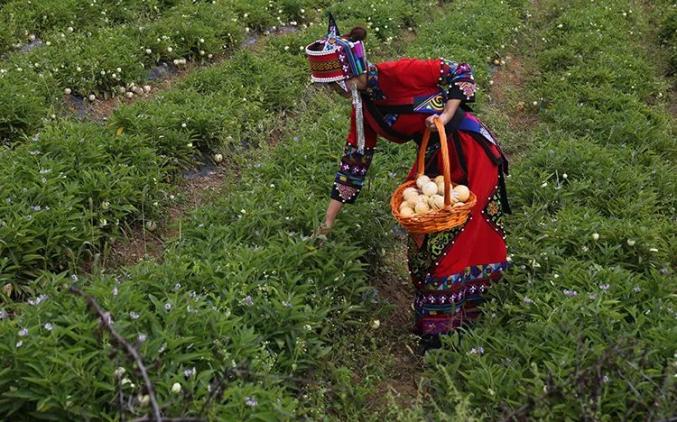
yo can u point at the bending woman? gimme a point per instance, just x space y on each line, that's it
396 101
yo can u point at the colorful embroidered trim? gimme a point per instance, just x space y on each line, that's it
469 274
456 81
351 174
373 88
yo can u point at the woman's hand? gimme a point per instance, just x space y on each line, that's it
430 121
449 110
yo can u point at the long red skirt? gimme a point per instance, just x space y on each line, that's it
451 270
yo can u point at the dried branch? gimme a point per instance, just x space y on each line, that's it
130 351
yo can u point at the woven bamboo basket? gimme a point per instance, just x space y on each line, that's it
439 220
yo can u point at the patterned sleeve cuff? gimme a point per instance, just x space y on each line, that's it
456 81
352 172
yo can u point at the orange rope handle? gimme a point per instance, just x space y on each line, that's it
446 164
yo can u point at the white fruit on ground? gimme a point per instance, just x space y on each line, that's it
422 207
409 193
422 180
67 91
461 193
91 97
429 189
176 388
218 158
147 88
129 94
406 212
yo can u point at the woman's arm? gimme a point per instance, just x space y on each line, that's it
450 108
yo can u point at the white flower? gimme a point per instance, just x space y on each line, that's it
134 315
48 326
631 242
188 373
248 301
105 205
189 145
168 306
544 184
604 287
23 332
375 324
144 400
169 49
250 401
527 300
141 338
149 51
595 236
565 176
115 291
19 344
119 372
176 388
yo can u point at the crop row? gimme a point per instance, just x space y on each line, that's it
58 204
584 325
244 296
109 60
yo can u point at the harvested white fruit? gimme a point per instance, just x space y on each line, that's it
461 193
459 204
437 202
439 179
440 188
409 193
422 180
404 204
412 201
406 212
422 207
429 189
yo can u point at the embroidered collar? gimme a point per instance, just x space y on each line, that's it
373 88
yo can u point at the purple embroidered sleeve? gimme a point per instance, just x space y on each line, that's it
456 81
351 174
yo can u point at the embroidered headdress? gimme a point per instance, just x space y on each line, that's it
336 58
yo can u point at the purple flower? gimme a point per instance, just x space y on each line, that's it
23 332
604 287
248 301
570 293
477 350
250 401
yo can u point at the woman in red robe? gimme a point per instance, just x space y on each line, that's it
450 269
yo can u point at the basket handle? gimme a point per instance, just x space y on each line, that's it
446 170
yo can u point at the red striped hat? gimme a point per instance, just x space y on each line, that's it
335 58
